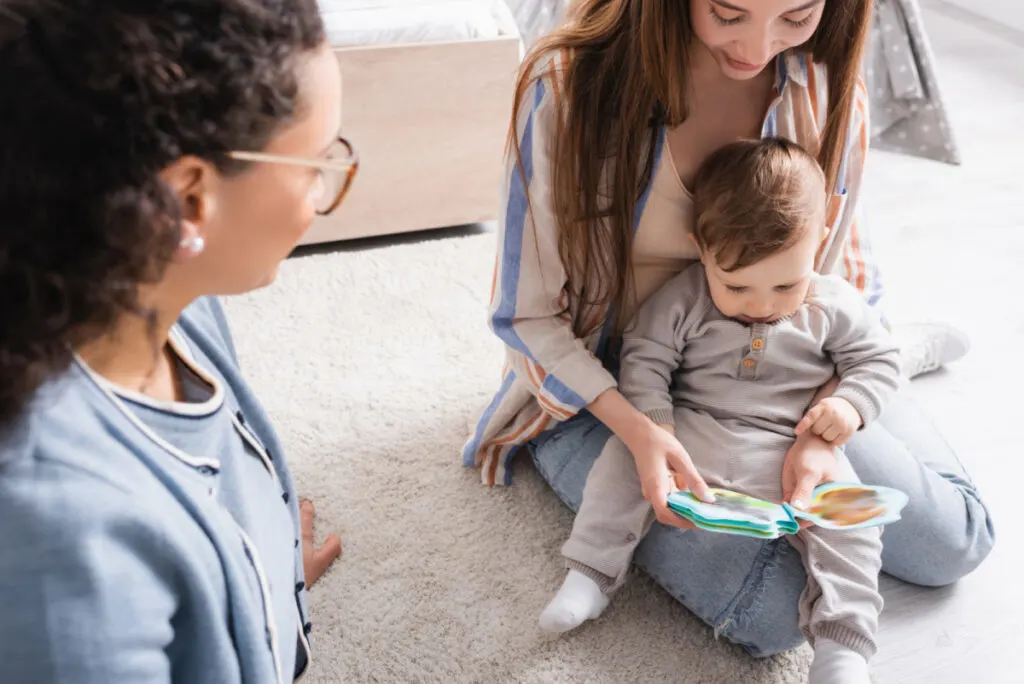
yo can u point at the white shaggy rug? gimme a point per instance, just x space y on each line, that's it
371 363
373 358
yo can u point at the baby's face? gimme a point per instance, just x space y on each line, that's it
771 289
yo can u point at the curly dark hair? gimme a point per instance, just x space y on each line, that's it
98 97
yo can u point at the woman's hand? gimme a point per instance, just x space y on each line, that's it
811 461
660 459
665 467
315 561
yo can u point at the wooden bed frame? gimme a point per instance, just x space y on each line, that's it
429 122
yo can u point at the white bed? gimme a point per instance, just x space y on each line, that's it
427 94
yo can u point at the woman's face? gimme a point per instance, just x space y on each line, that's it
251 221
744 36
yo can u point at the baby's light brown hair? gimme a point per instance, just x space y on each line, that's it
755 198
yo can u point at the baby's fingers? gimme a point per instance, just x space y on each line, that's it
843 438
823 425
809 419
832 434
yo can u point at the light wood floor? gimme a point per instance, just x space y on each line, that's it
967 225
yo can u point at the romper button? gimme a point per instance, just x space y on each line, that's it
749 363
630 537
757 344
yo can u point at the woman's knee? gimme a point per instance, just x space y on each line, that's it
945 531
940 550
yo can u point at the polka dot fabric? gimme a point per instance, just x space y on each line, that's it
908 115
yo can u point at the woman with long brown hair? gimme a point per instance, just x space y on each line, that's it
614 112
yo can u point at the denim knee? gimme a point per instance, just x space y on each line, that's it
946 530
944 556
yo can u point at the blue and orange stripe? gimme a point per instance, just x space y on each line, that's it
516 214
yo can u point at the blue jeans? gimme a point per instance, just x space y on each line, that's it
747 589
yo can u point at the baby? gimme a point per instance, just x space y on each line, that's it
728 356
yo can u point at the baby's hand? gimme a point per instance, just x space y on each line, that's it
833 419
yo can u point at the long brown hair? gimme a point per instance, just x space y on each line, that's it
623 72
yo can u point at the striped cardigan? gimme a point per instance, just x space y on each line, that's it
550 374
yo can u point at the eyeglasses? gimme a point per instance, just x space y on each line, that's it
336 171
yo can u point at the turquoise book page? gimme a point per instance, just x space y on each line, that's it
727 528
790 525
835 505
737 512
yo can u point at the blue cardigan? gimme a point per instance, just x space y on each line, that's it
116 563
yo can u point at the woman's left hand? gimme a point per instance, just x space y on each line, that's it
314 560
811 461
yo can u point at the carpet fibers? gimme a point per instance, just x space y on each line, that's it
372 359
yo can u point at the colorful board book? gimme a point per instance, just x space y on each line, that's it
835 506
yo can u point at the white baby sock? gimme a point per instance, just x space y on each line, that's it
578 600
837 664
